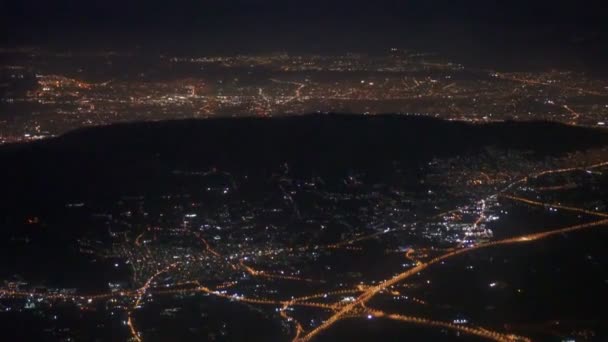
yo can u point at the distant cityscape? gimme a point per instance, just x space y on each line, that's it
45 94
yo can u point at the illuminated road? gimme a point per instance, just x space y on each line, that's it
140 295
138 239
554 205
547 84
265 301
477 331
298 91
488 334
371 292
566 186
575 114
567 169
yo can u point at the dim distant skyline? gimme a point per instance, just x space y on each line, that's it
556 31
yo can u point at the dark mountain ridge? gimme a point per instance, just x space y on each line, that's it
136 158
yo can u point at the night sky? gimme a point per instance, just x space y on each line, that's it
554 29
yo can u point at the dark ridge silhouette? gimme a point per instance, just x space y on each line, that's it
139 158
